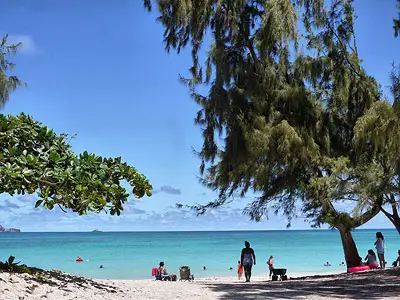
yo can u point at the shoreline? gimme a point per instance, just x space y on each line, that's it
375 284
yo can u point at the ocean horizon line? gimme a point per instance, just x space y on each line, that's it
178 231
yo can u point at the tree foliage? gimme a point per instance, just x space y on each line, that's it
280 116
285 116
34 159
396 22
8 82
377 142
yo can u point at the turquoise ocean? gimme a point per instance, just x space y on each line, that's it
131 255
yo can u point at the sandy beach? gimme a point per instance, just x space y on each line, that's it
380 284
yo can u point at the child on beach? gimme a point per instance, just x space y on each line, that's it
380 248
270 264
371 258
240 270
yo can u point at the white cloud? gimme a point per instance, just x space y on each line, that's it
28 44
19 212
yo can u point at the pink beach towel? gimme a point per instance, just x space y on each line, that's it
154 271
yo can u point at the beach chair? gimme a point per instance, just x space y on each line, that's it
156 273
185 274
279 273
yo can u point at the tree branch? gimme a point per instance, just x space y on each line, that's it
344 49
394 205
369 214
388 215
253 53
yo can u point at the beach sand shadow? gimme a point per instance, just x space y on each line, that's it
367 285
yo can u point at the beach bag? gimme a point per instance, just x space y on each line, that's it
173 277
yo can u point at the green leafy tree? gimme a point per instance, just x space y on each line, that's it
283 103
8 83
35 160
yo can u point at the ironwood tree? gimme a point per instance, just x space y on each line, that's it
377 143
279 119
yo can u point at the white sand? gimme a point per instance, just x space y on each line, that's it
25 287
368 285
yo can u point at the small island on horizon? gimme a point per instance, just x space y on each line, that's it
96 230
2 229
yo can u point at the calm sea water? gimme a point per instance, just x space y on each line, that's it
131 255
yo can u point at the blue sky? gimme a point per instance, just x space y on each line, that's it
99 70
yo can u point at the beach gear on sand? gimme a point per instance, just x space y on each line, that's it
159 276
185 274
373 266
279 272
359 269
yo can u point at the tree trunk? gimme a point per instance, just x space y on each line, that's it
351 255
397 225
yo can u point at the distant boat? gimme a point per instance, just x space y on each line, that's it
96 230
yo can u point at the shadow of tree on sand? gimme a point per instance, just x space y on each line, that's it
368 285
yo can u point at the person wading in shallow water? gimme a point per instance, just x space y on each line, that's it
247 259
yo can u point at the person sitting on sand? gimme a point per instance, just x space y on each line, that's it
371 258
246 259
270 264
162 269
240 270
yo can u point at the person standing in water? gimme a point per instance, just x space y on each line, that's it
380 248
247 259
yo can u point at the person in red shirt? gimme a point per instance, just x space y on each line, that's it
240 270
